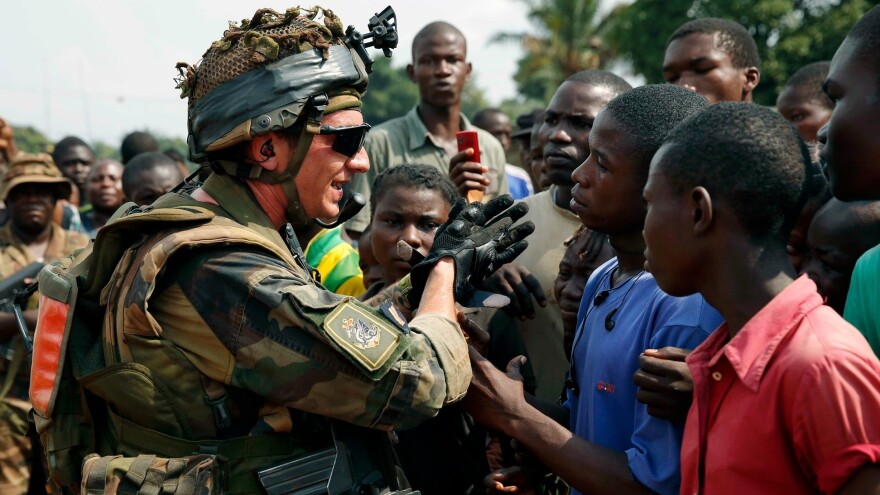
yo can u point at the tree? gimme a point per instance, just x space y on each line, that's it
30 140
789 33
566 42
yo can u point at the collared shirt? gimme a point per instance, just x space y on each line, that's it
791 404
603 407
407 140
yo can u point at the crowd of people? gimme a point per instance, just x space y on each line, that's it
697 309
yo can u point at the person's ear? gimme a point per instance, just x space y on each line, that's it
411 72
751 78
703 215
262 151
470 68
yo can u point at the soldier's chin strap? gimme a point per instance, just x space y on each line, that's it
296 215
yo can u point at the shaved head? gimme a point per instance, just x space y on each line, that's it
433 29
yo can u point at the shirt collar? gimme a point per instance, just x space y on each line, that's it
751 349
419 133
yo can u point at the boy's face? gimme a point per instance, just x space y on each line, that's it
668 230
835 244
796 246
695 62
567 124
368 263
805 113
607 195
852 135
409 214
574 270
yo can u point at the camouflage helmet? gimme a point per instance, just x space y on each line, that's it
273 72
267 71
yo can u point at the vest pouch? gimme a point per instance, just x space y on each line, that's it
151 475
131 392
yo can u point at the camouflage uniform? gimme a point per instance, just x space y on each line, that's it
15 447
223 310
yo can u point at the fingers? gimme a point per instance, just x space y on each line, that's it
514 368
514 212
670 353
511 253
534 287
663 367
498 205
477 337
460 157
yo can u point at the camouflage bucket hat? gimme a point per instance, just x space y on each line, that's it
28 168
267 71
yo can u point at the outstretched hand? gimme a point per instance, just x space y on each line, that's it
517 283
665 383
495 399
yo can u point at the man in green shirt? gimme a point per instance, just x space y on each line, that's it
426 134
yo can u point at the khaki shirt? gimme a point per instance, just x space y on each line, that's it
407 140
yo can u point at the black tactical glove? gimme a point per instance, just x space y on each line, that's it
479 238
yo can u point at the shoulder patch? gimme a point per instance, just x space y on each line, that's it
367 338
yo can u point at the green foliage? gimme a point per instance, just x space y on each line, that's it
565 42
789 33
390 93
30 140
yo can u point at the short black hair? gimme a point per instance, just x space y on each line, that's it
413 176
433 28
174 155
136 143
144 163
601 78
866 36
649 112
809 79
67 143
732 38
747 156
481 118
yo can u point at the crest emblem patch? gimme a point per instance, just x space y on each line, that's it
362 334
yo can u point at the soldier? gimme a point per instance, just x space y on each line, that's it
31 187
220 352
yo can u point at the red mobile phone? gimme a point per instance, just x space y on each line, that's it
468 139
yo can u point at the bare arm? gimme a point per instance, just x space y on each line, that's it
496 400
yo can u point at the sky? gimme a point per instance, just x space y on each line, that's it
100 69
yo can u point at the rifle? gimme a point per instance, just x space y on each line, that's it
12 298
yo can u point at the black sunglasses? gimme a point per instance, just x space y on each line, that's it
349 140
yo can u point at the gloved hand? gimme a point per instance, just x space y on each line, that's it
479 238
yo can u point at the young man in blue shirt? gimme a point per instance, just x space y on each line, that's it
612 445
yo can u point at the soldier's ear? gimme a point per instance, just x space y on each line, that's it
270 151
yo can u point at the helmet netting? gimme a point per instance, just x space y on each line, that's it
267 37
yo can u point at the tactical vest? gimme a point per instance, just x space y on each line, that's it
127 390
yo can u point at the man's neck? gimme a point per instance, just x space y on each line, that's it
739 286
441 122
306 233
630 250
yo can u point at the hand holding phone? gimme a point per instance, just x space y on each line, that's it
468 139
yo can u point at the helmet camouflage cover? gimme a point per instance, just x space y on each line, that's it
261 75
273 72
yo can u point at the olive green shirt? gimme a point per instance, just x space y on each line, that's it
407 140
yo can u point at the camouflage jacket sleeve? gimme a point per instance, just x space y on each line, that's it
302 346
